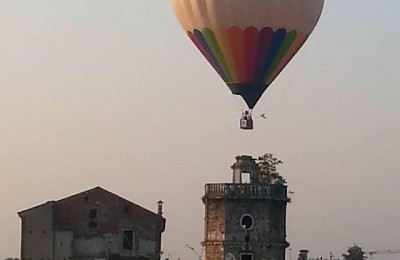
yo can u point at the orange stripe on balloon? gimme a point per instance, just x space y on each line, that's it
235 35
223 41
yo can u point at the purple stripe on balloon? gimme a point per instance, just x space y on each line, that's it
200 47
210 56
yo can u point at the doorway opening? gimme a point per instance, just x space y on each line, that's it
246 256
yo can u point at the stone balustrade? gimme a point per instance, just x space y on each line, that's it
261 191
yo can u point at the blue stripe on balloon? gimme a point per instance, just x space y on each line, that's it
278 39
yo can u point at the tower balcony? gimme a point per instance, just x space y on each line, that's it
251 191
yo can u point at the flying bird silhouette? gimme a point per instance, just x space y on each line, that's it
263 116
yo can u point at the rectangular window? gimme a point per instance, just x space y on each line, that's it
93 218
246 178
246 257
93 213
93 224
127 239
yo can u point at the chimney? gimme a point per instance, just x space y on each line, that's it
303 254
160 204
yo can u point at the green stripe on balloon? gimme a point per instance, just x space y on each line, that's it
287 43
212 42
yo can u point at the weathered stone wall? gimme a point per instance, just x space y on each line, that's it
113 215
261 213
89 225
63 244
215 220
213 250
37 232
214 228
146 247
224 234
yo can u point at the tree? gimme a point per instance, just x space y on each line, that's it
354 253
268 169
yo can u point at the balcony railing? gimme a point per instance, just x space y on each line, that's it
228 190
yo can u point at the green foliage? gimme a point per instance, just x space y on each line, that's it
354 253
268 169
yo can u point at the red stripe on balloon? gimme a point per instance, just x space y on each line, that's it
265 38
250 37
235 35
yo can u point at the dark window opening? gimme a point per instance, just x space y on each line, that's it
93 213
93 218
247 222
246 257
93 224
126 209
127 242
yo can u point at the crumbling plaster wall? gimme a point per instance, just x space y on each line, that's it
224 233
63 244
214 228
113 215
37 233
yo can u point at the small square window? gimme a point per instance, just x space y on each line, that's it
93 224
126 209
93 213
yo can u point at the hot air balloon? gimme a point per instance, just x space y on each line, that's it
248 42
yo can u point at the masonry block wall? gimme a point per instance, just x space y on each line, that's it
245 221
89 225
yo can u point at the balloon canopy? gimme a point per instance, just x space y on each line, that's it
248 42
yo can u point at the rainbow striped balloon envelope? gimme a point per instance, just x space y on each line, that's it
248 42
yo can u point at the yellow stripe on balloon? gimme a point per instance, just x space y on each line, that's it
223 42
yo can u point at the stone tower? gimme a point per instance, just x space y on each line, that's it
245 219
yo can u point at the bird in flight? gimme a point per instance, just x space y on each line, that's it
263 116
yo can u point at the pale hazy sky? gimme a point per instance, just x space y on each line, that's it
112 93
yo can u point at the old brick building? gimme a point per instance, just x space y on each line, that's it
245 219
94 224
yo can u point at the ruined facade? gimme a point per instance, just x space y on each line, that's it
245 219
95 224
